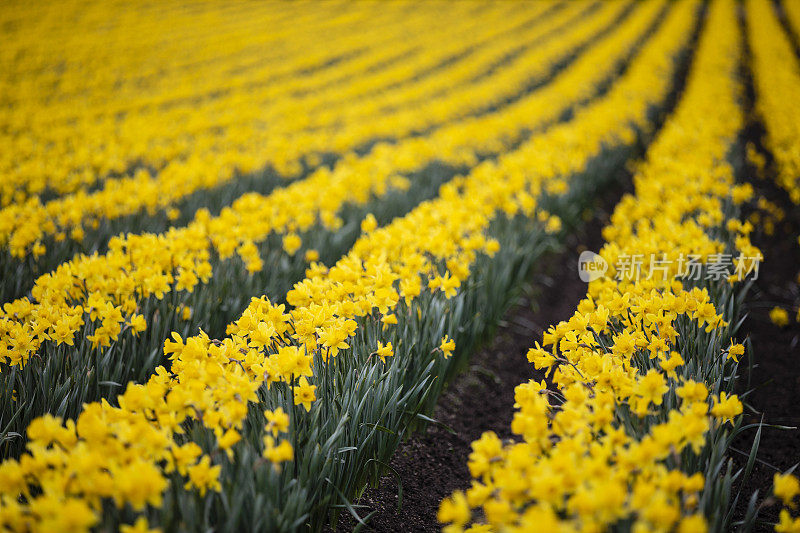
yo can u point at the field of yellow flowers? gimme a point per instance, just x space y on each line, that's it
246 248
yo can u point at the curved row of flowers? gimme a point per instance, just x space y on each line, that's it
275 425
631 430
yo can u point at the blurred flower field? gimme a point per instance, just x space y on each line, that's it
246 247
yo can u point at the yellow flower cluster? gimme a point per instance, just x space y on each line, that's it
574 463
113 285
125 453
212 382
776 76
252 127
600 448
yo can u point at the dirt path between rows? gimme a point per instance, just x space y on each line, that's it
431 465
772 387
774 383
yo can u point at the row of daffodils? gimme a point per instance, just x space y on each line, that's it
630 428
279 421
776 77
